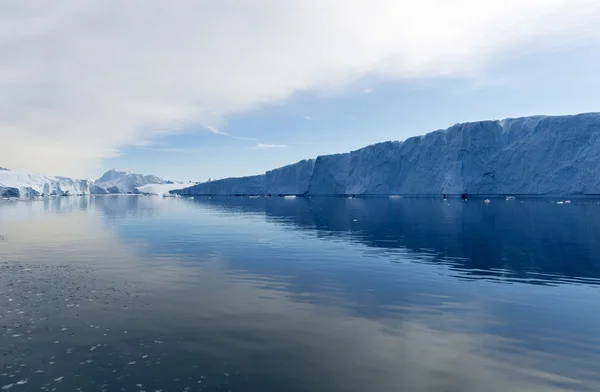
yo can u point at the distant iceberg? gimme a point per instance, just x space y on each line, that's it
539 155
122 182
23 185
26 186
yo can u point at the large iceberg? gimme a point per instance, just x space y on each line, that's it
22 185
118 182
539 155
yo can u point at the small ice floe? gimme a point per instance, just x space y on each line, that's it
289 197
22 382
560 202
395 197
567 201
508 198
7 387
487 201
254 197
58 379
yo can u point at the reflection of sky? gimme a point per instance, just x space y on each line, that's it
340 304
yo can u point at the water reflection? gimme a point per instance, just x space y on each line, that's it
535 240
140 293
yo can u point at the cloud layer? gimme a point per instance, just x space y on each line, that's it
79 78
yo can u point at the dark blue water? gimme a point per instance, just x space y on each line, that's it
143 294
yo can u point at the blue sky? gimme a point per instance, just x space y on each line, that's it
553 82
199 89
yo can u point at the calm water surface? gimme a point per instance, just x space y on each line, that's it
135 293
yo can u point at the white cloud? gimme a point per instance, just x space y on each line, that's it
218 132
81 78
368 90
262 146
308 118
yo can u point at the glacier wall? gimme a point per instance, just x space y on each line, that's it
291 179
23 185
539 155
252 185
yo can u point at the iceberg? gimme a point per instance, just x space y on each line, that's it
247 186
537 155
291 179
122 182
22 185
26 186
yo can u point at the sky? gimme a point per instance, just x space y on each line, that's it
198 89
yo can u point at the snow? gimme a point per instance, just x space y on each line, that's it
539 155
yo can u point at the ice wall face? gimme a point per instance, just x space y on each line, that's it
23 185
252 185
291 179
550 155
537 155
288 180
532 155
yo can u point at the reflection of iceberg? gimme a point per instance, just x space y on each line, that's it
416 337
238 314
512 239
539 155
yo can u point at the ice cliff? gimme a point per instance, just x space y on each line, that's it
23 185
539 155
